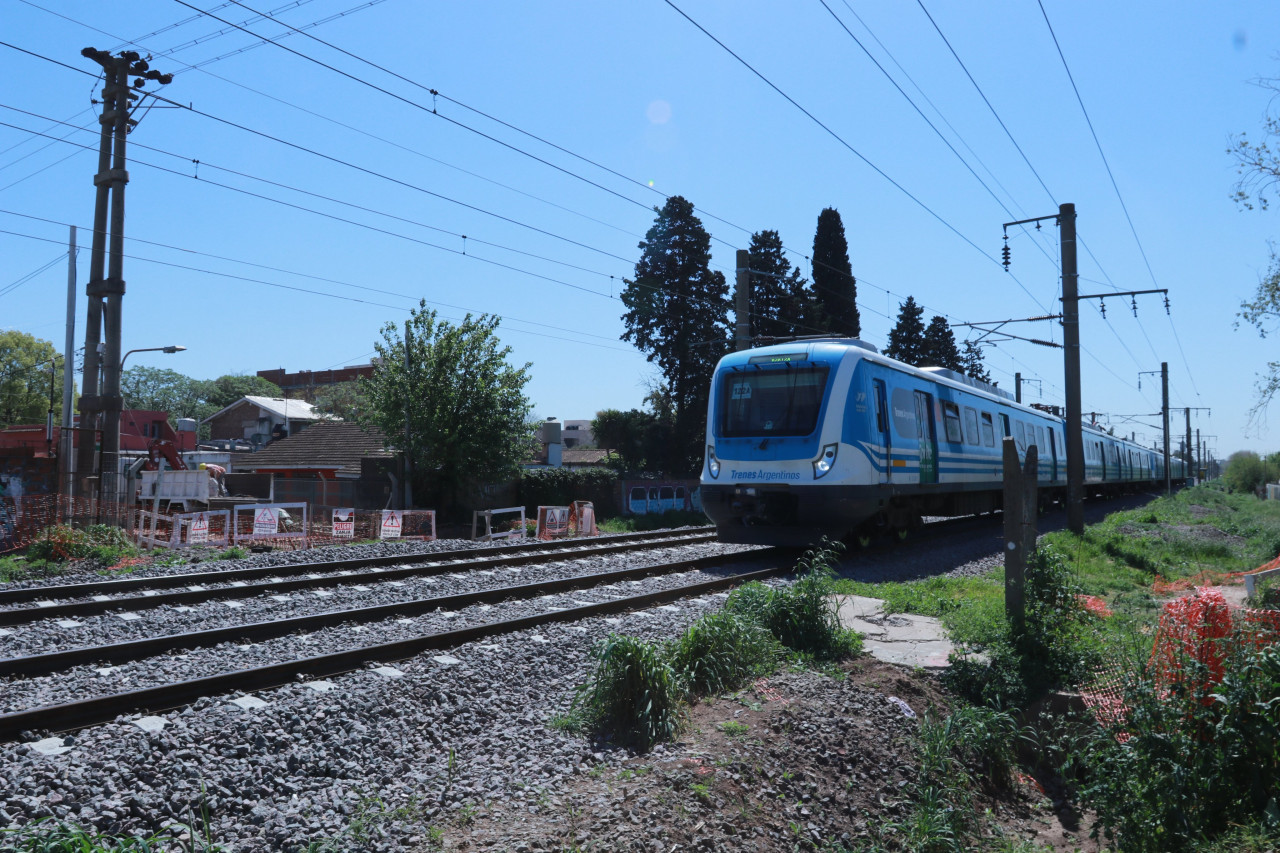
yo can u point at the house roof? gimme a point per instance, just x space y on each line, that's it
327 445
583 457
294 410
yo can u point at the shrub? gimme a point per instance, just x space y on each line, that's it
1193 758
634 692
722 651
562 486
802 616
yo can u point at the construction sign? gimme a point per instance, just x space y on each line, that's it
266 522
553 522
199 528
344 524
392 524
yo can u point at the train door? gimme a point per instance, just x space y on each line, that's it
636 501
882 427
1053 453
928 436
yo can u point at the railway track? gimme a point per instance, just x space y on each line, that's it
386 619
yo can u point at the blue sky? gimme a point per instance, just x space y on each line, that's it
246 243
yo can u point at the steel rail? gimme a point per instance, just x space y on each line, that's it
23 615
102 709
35 593
133 650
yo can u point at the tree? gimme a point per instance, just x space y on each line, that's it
678 315
468 417
1258 165
834 286
226 389
906 338
1246 471
779 295
940 346
626 434
344 400
163 390
972 365
26 363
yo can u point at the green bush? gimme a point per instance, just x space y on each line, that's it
1191 761
562 486
802 616
101 542
634 692
722 651
1057 646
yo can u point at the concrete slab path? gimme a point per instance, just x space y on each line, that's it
901 638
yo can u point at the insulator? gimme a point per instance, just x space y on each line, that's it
1102 304
1005 252
1135 305
1166 303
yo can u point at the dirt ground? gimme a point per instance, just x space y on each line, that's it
800 761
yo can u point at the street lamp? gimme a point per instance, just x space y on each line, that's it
172 348
109 481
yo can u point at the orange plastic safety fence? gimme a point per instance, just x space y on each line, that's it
1160 586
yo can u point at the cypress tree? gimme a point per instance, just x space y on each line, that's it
834 287
940 346
906 338
678 315
971 358
778 292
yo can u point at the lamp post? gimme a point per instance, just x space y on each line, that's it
109 482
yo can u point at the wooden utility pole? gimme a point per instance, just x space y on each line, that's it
1020 502
742 302
101 397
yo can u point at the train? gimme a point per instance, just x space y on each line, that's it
829 437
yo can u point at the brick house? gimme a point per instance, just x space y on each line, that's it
261 420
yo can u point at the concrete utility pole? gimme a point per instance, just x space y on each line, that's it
1190 457
1071 368
101 397
408 443
1017 387
742 302
66 439
1164 412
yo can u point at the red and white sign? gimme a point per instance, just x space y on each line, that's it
553 522
344 523
392 523
266 522
199 528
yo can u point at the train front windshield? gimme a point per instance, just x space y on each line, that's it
774 401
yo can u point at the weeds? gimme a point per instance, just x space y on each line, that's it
99 542
54 836
722 651
634 693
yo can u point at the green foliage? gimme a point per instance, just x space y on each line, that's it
344 400
562 486
467 413
1189 761
781 302
722 651
1058 646
1246 471
733 728
16 568
940 346
677 314
53 836
101 542
802 616
834 286
971 362
637 441
26 363
906 338
634 692
235 552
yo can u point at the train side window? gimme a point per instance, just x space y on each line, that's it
1040 438
1020 436
988 431
951 417
882 422
971 426
1004 426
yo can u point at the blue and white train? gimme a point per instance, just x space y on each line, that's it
829 437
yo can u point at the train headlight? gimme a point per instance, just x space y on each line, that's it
823 464
713 464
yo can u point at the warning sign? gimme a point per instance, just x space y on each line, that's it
553 522
391 524
344 523
266 522
199 528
